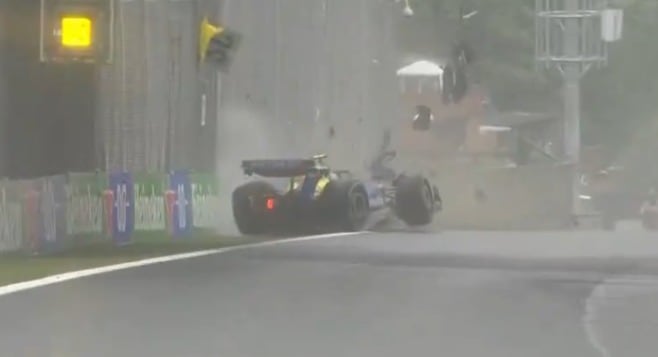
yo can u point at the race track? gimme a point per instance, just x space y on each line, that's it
397 294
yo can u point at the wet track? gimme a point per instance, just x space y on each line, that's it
368 295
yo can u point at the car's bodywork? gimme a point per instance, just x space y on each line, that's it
320 199
309 176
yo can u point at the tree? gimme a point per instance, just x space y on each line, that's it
619 101
501 36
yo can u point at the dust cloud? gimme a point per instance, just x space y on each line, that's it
243 134
247 133
303 69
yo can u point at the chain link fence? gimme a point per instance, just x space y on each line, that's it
150 107
305 66
305 69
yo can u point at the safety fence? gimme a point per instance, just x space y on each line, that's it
50 214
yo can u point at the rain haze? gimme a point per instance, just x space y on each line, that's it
489 186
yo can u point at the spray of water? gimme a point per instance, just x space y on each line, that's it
243 134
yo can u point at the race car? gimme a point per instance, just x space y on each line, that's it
318 199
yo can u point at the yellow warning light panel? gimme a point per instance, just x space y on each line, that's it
76 32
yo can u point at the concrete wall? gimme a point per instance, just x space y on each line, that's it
528 197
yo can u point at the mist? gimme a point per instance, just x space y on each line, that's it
244 134
288 88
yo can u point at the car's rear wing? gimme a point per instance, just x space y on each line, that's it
278 167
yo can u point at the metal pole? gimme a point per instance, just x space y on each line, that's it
569 37
122 119
279 119
218 91
572 74
220 94
42 27
572 134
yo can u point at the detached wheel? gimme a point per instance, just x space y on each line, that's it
414 200
346 203
246 218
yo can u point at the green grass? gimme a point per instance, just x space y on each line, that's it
90 252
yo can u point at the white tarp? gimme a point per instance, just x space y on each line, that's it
421 68
612 23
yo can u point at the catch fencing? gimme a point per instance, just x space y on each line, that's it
303 67
51 214
306 67
150 108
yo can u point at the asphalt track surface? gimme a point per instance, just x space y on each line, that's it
396 294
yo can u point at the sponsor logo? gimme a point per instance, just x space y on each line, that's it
181 206
149 213
10 224
121 204
49 212
85 212
207 206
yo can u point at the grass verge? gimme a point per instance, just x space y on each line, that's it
91 252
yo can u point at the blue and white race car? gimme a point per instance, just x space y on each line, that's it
318 199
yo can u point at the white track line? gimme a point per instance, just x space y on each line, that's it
53 279
590 316
601 293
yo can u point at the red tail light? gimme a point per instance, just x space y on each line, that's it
270 203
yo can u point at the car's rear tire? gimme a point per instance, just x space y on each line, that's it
345 202
248 221
414 200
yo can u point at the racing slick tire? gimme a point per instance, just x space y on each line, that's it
346 203
246 219
414 200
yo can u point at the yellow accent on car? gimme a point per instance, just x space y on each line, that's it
321 185
294 184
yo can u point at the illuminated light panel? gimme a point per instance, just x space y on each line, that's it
76 31
269 203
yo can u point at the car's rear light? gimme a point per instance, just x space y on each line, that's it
270 203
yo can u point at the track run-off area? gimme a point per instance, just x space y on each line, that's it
367 294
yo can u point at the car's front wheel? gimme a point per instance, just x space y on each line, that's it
414 200
346 203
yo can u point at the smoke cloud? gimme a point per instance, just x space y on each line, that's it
244 134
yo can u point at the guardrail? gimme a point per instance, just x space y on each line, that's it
46 214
